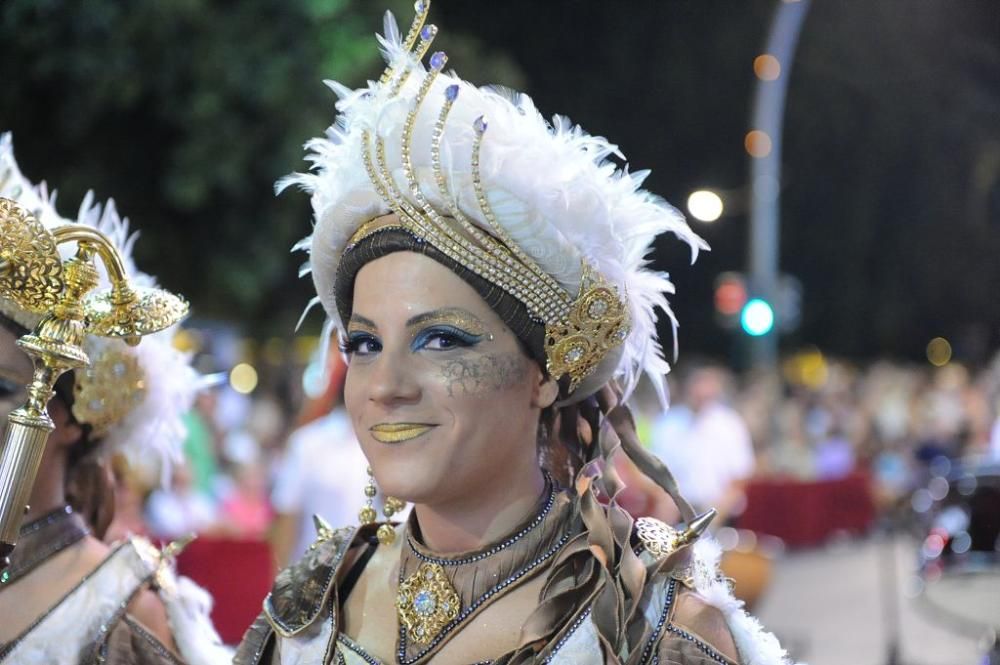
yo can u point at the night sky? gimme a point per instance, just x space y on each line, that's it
187 112
891 193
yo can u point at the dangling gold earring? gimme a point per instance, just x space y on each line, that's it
385 534
367 514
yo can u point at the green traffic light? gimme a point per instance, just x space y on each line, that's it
757 317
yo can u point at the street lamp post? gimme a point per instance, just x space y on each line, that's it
763 143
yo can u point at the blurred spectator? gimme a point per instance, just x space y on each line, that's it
199 446
706 444
181 509
246 512
323 471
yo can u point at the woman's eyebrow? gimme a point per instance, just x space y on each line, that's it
455 315
358 320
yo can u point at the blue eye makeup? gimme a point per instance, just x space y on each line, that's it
360 344
434 338
444 338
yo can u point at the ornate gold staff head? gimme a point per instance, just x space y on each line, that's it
34 276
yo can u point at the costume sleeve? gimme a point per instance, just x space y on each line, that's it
696 633
129 643
257 645
676 650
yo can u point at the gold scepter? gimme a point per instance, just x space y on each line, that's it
35 277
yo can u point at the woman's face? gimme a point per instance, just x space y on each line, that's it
442 397
15 373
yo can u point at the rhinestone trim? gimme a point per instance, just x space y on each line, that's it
53 516
702 646
496 548
664 613
356 648
565 638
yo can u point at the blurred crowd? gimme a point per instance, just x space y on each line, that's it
258 465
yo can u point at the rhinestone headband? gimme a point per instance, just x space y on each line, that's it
579 331
535 207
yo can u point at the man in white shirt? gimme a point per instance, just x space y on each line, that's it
707 445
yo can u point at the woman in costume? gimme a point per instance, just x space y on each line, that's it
67 597
486 271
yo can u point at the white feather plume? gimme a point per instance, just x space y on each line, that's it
551 185
756 645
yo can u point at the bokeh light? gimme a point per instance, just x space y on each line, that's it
757 318
757 143
705 205
939 352
807 368
243 378
766 67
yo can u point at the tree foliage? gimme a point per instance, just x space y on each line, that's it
186 112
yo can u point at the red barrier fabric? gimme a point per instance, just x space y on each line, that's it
805 514
238 574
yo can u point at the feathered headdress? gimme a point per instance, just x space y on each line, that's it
535 207
133 398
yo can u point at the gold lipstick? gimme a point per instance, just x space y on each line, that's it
398 432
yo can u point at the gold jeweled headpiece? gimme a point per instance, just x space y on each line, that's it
533 207
579 331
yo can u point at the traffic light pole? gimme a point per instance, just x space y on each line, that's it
765 172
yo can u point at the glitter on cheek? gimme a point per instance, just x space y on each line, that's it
484 374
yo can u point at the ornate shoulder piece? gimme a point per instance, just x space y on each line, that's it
661 539
323 530
301 591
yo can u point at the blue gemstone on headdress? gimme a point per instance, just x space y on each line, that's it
480 124
451 92
438 60
419 6
428 32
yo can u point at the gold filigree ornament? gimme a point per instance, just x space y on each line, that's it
108 390
30 266
35 278
658 538
661 539
127 311
426 602
597 322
